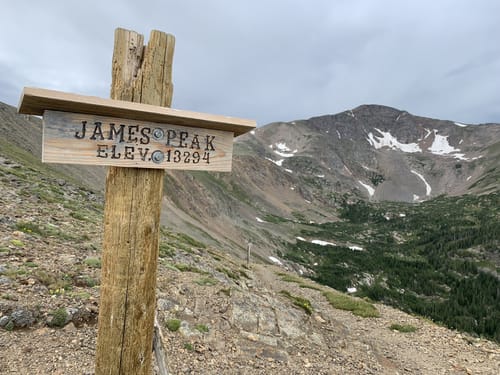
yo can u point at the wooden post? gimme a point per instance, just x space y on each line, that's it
132 217
249 247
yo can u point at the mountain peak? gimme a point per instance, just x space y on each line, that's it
375 108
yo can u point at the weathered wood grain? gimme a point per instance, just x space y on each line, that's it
35 101
132 222
96 140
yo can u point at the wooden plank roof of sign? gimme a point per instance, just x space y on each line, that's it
35 101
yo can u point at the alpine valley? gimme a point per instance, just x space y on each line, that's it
374 202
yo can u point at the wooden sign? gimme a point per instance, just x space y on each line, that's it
80 129
97 140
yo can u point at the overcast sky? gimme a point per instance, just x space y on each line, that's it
272 60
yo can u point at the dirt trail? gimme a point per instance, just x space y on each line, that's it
432 349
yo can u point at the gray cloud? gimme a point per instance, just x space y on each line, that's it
272 61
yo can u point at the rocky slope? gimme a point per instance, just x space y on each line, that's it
298 170
218 316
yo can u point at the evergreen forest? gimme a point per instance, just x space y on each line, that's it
439 258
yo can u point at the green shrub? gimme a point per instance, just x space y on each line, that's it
309 286
270 218
166 250
405 328
190 241
9 326
93 262
301 302
173 325
189 268
45 277
206 281
228 273
59 318
29 227
17 243
201 328
78 215
356 306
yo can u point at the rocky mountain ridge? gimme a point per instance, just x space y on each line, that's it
385 153
300 170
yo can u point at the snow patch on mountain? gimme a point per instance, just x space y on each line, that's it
356 248
317 242
322 243
441 146
275 260
283 150
388 140
428 188
371 190
277 162
460 124
282 146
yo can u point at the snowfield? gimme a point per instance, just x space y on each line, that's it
388 140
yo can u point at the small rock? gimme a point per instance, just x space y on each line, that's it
70 311
68 259
22 318
4 320
5 280
69 327
42 331
167 304
84 316
319 318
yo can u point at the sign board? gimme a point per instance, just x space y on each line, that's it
72 138
87 130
